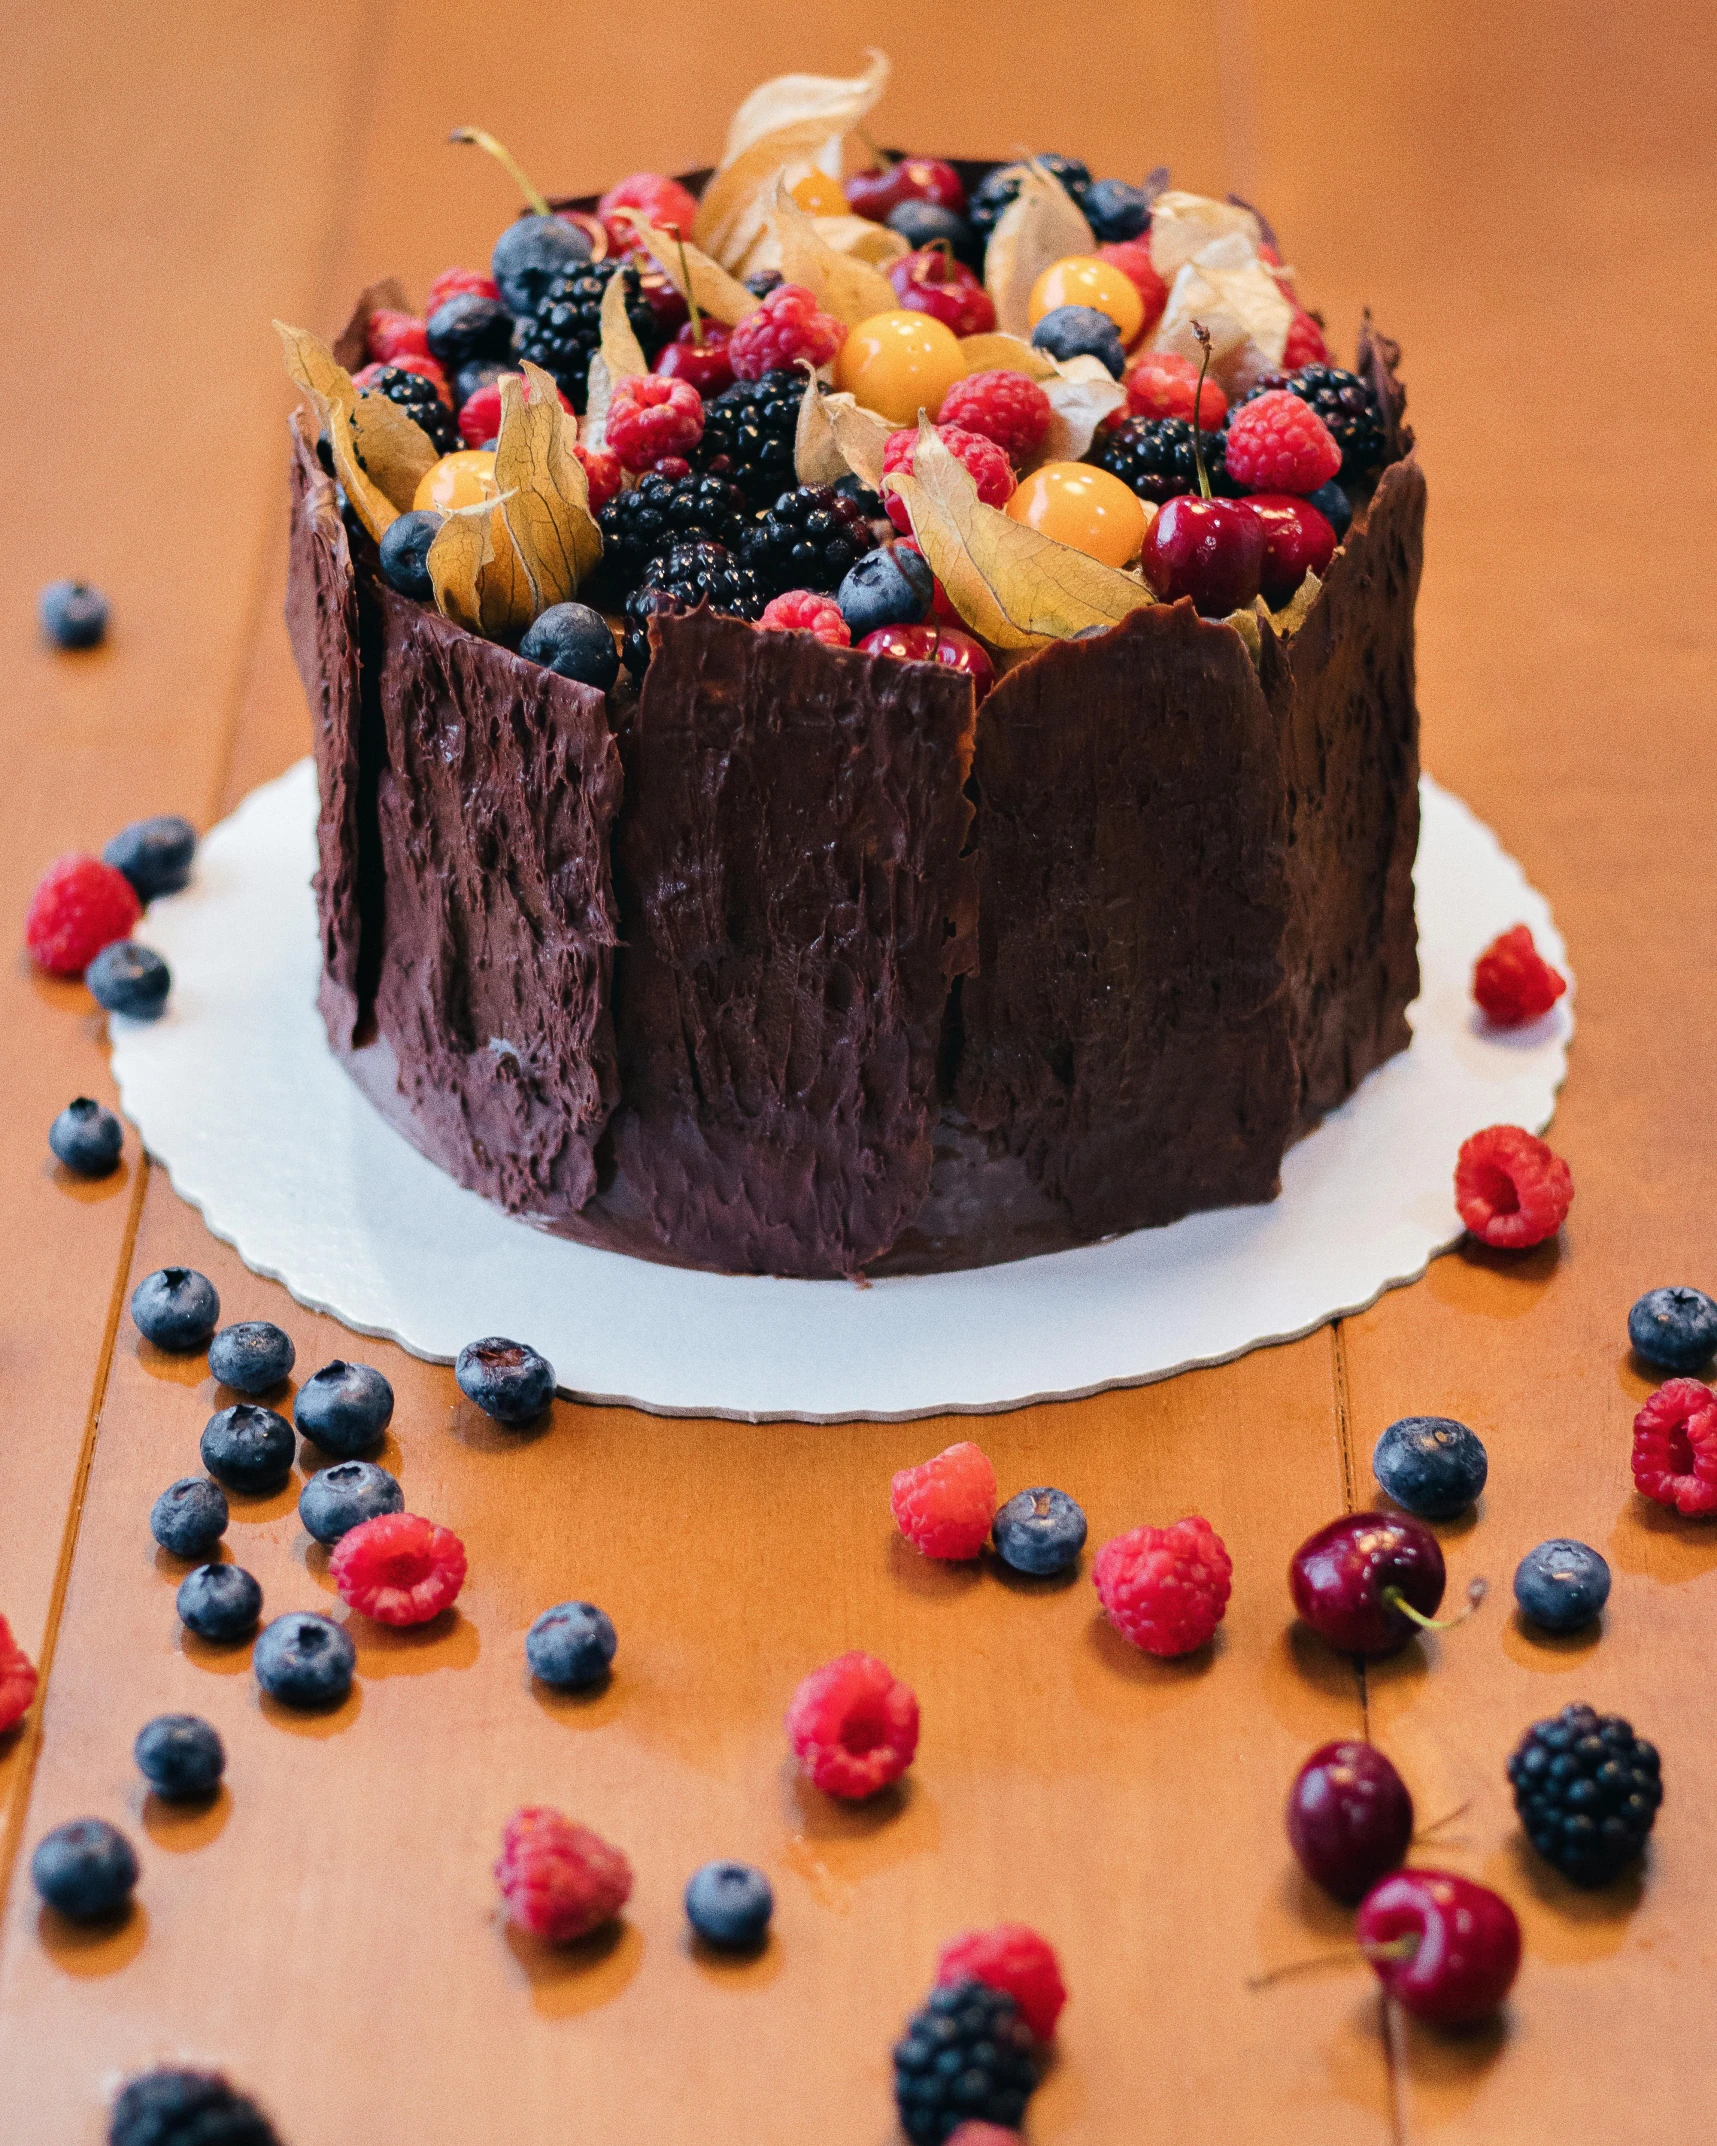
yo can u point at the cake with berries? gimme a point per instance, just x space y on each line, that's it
862 725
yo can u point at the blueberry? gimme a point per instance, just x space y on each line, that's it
469 326
571 1645
729 1904
1081 331
176 1308
920 222
304 1660
1334 505
1676 1329
128 978
73 615
1432 1466
890 587
575 641
506 1380
251 1357
155 855
481 372
336 1499
1561 1585
180 1756
85 1869
344 1407
220 1602
248 1448
405 553
87 1138
529 255
1040 1532
190 1516
1116 211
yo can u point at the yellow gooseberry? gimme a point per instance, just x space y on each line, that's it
1083 280
1084 508
900 363
819 195
457 480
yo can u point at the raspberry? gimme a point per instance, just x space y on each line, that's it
853 1726
17 1679
945 1507
1512 981
972 2133
80 905
1512 1191
1305 344
426 368
665 202
1675 1447
650 416
480 415
559 1880
602 473
1160 384
397 1568
805 611
1277 443
457 283
988 467
1011 1957
1165 1588
1132 256
787 326
392 335
1004 407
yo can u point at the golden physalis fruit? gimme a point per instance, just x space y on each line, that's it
1084 508
465 479
819 195
900 363
1083 280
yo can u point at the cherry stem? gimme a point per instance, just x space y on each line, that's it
1397 1948
1203 334
503 156
884 162
691 299
1448 1818
1394 1599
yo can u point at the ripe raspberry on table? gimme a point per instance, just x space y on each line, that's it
1512 981
1512 1190
1305 344
853 1726
1277 443
459 283
944 1506
409 361
1165 1589
602 473
984 462
393 335
80 905
559 1880
1162 384
1132 256
806 611
398 1568
652 415
1675 1448
17 1679
788 326
1002 406
1011 1957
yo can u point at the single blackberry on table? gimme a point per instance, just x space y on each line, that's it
636 525
683 577
1587 1790
564 327
966 2056
1347 407
417 397
1153 457
809 539
748 435
187 2108
992 195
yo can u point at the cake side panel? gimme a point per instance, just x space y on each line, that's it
793 901
496 808
1125 1033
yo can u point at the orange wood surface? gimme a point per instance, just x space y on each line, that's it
1524 193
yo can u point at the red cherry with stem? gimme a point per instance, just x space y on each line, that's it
1367 1580
934 644
897 179
1298 541
706 365
1445 1949
932 281
1209 549
1350 1818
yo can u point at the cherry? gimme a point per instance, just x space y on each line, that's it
1350 1818
706 365
933 282
907 178
1445 1949
1298 541
1209 549
934 644
1366 1580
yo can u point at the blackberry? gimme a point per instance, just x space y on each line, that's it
748 435
417 397
1153 456
187 2108
636 525
684 576
966 2056
1346 405
564 327
993 194
809 539
1587 1790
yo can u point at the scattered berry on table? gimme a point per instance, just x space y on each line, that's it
1014 1959
1298 541
1562 1585
391 334
1356 1579
1673 1328
180 1756
154 854
946 645
176 1308
187 2108
1350 1818
338 1499
1675 1448
419 395
573 641
344 1408
983 461
563 330
1040 1532
398 1567
748 434
1277 443
130 979
1432 1466
807 611
1334 505
662 201
1445 1949
1587 1790
924 224
505 1379
1512 982
80 905
17 1679
1165 1589
1153 457
87 1138
251 1357
304 1660
944 1506
641 524
560 1880
530 256
1133 258
72 614
853 1726
571 1646
680 579
788 326
1115 210
405 553
190 1516
452 281
809 539
650 416
219 1602
1512 1191
1162 384
890 587
467 325
248 1448
966 2054
1004 407
729 1905
993 194
1081 332
86 1869
973 2133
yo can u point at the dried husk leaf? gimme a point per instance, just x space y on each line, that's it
789 121
1245 624
817 457
857 238
1081 394
721 296
848 288
1182 225
547 512
833 101
618 356
1007 354
1292 615
860 434
1041 225
1228 291
316 370
397 452
479 584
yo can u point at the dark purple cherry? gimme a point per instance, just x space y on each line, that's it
1350 1818
1367 1581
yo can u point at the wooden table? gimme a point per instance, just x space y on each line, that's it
1525 194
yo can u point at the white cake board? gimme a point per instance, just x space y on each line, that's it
236 1091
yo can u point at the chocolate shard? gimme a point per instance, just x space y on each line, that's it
791 887
1375 360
